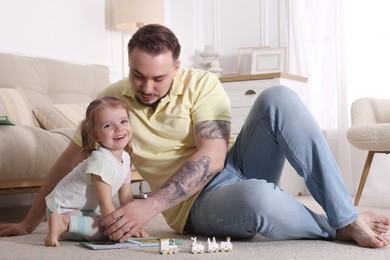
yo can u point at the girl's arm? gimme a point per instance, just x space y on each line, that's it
104 195
125 194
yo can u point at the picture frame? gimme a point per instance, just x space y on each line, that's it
244 61
261 60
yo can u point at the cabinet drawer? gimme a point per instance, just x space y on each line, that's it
243 94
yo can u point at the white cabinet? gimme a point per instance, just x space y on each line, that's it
243 90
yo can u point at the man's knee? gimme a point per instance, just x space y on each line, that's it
277 99
277 94
257 195
277 91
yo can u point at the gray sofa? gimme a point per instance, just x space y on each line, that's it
46 99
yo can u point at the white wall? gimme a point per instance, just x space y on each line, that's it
227 25
83 30
72 30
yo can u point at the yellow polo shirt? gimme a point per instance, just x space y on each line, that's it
163 140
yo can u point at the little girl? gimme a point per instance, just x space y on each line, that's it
73 205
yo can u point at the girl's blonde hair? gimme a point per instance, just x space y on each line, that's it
87 126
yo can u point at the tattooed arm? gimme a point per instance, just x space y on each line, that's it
211 138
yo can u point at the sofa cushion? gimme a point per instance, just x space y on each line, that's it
60 115
14 105
47 81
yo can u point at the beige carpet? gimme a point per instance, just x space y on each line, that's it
31 246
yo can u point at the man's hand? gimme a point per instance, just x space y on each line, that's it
141 233
129 220
15 229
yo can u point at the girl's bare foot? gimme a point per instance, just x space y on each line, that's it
58 224
368 231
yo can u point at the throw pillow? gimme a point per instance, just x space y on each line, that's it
60 115
14 105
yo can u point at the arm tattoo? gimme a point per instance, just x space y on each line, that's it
194 173
216 129
179 186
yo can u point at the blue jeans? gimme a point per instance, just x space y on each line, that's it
243 200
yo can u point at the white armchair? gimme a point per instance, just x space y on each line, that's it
370 131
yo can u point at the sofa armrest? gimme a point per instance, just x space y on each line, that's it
28 152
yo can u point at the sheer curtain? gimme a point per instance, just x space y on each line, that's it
342 46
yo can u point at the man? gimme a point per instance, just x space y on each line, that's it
204 182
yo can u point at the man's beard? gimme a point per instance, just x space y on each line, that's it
155 103
148 104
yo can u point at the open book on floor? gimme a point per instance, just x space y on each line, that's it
105 245
130 243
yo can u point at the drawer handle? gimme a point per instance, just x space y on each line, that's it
250 92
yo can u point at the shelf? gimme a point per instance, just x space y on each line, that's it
236 77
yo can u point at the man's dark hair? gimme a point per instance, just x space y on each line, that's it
155 39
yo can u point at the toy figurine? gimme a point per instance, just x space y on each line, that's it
212 246
196 247
226 246
166 248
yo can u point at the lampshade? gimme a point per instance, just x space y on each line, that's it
132 14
